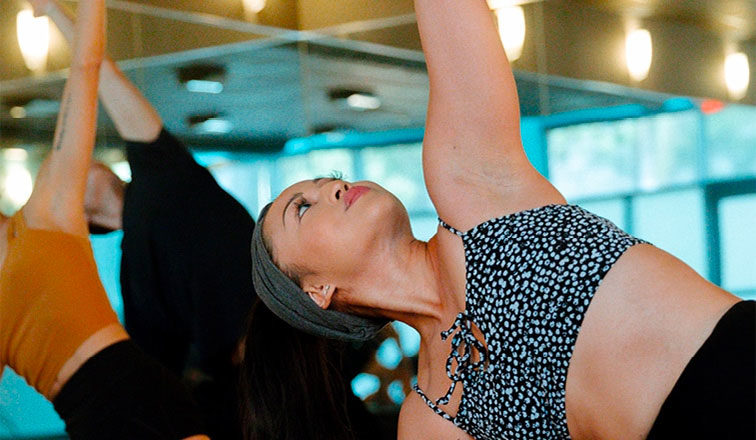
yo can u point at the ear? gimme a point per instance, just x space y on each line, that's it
320 293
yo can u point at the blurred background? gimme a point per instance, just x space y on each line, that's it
639 110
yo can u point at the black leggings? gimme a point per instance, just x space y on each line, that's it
121 393
715 396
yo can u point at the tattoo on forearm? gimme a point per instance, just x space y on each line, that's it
63 122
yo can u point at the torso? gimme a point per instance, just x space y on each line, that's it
643 325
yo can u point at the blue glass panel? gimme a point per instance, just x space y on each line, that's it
593 159
613 209
399 170
319 163
674 221
668 149
730 136
738 239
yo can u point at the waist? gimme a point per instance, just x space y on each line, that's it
647 319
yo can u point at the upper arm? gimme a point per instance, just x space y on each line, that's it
473 159
57 201
418 422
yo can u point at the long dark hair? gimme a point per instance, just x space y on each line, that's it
291 383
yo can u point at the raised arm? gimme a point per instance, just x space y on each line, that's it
58 197
474 164
134 117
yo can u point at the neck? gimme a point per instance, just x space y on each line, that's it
410 288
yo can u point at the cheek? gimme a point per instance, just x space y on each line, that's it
337 246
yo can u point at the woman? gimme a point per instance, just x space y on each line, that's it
180 296
57 329
563 326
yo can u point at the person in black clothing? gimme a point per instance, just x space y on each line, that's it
185 267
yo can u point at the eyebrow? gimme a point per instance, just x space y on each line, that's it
283 214
319 179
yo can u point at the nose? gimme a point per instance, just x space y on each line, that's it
336 190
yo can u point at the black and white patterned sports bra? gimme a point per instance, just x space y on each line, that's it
531 276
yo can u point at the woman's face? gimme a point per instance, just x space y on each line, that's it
333 228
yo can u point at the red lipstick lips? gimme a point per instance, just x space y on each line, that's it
353 194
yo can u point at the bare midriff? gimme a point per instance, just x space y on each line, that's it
648 318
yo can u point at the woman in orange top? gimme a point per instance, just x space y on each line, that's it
57 328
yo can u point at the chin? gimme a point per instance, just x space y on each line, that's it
386 216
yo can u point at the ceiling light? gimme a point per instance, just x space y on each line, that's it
203 86
17 184
511 24
17 112
363 102
15 154
33 38
253 6
213 123
638 53
354 99
202 77
737 75
215 126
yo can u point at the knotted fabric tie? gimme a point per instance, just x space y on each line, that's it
464 359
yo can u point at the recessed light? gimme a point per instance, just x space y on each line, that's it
202 78
203 86
363 102
17 112
355 99
213 123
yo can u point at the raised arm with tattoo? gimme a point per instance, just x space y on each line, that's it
134 117
57 200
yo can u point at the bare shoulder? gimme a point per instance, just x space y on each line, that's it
418 422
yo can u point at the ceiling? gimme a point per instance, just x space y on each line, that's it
272 94
735 18
279 84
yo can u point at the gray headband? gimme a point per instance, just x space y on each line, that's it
290 303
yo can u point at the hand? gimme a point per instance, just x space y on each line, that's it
89 39
40 7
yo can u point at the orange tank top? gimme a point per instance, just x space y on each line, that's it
51 301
